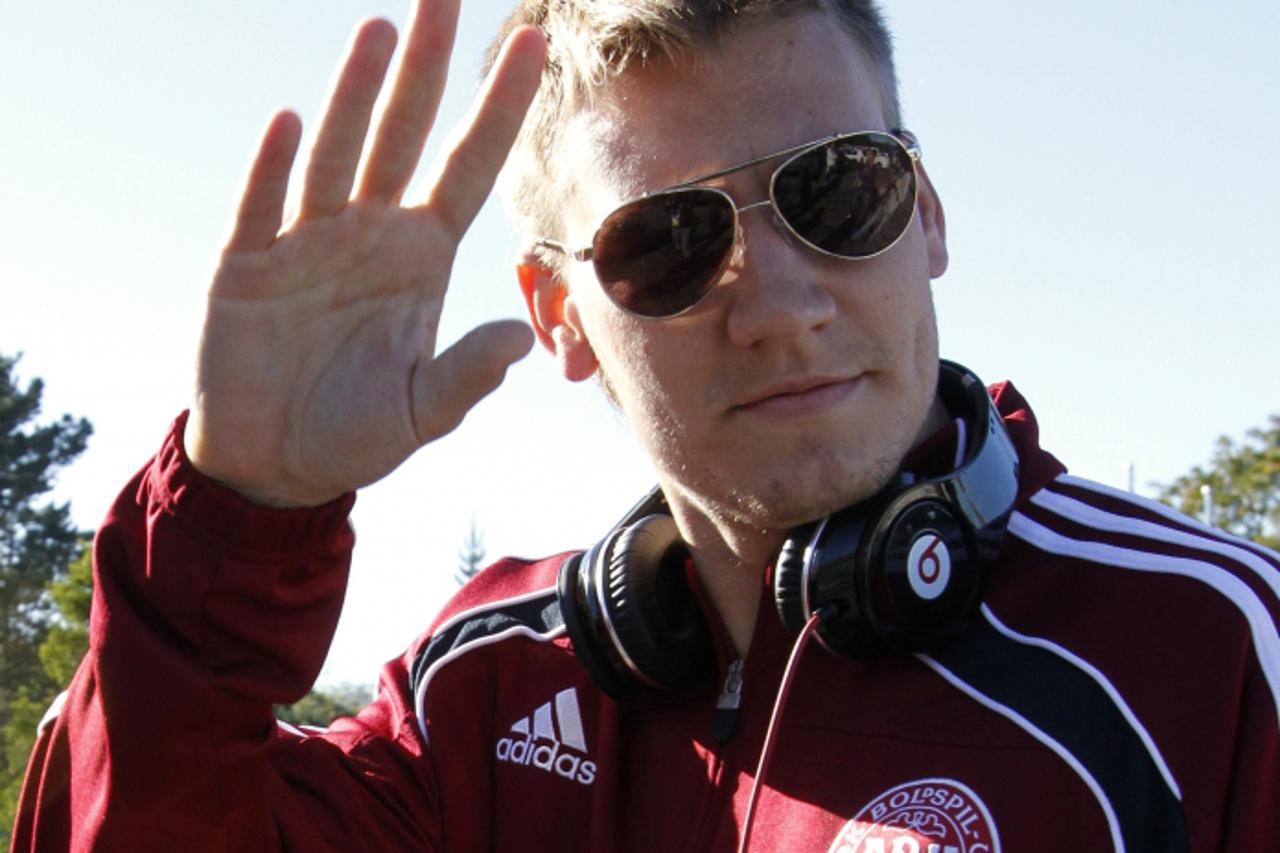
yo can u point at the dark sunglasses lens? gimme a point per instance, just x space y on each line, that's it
852 197
658 256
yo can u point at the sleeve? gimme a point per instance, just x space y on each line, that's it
207 610
1252 819
1252 803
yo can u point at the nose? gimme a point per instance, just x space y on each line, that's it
778 292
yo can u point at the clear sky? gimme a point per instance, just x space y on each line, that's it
1109 171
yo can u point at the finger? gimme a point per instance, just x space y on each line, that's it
449 386
465 176
335 155
261 208
415 98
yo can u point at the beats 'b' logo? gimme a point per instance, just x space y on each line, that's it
929 566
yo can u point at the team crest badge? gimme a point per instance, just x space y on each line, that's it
924 816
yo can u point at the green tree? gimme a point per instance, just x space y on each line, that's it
1243 486
61 652
68 638
19 733
38 543
37 539
321 706
471 557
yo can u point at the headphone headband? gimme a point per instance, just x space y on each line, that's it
981 488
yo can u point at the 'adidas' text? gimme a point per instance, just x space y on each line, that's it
539 746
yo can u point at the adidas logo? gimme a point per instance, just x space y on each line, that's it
538 745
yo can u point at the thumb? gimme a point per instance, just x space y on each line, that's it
445 388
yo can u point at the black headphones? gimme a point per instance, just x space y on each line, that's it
899 572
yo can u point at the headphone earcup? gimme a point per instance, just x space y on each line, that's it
925 577
822 567
657 623
899 574
585 631
630 614
788 579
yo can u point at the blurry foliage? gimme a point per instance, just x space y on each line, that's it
44 574
1244 486
321 706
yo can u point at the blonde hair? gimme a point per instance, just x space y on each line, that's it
591 42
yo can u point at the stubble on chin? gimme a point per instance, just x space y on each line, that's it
780 494
796 496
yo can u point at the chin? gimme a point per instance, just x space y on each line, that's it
806 493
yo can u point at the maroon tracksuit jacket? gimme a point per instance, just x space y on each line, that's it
1119 692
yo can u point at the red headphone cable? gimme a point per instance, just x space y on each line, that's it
779 702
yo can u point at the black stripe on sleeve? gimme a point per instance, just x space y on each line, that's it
1067 705
541 614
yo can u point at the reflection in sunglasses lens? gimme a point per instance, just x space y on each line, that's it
659 255
853 197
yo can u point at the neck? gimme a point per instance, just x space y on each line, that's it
730 560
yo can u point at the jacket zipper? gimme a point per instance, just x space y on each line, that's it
729 705
724 723
706 825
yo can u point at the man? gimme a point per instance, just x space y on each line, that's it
1116 688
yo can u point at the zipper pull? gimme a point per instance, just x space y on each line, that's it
727 706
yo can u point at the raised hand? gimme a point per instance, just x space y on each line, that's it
318 370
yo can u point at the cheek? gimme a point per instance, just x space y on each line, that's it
653 380
908 293
890 304
926 324
639 376
918 337
626 365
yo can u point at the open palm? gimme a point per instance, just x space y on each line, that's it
318 370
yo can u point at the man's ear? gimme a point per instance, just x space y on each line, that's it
555 319
934 221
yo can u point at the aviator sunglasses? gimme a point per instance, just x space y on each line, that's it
850 196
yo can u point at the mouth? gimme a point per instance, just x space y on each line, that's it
802 396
